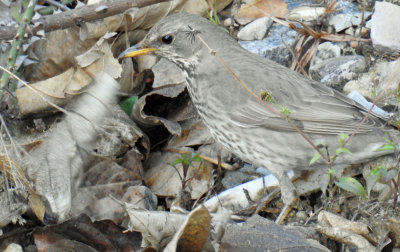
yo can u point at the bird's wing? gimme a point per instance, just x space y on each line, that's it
316 119
313 107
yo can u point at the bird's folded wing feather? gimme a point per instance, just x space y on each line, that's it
313 108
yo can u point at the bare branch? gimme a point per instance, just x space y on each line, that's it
76 16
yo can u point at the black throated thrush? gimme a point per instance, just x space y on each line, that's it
216 66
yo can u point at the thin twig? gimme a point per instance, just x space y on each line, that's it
293 56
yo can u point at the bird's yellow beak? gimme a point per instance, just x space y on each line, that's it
135 51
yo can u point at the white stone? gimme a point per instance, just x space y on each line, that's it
256 29
227 22
385 29
340 21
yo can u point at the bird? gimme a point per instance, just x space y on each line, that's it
263 112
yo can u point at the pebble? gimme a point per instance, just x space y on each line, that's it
256 29
272 46
336 72
326 51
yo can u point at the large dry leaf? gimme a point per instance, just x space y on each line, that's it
61 88
166 106
55 53
157 227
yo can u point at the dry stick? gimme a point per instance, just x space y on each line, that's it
310 53
321 35
298 48
75 17
57 4
295 59
261 101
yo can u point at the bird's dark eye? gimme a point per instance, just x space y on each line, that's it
167 39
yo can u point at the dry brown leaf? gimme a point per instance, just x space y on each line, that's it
61 87
55 53
146 17
200 7
194 233
37 206
261 8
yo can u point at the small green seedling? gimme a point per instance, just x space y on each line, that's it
186 160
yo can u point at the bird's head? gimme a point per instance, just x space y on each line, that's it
181 38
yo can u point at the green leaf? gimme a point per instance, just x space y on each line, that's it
197 158
351 185
212 18
387 147
316 157
127 104
177 161
332 171
373 177
186 159
341 150
285 111
343 138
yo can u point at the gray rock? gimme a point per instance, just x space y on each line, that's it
373 83
256 29
272 46
385 29
240 176
335 72
343 21
347 6
326 51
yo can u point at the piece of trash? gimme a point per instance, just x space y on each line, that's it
357 97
